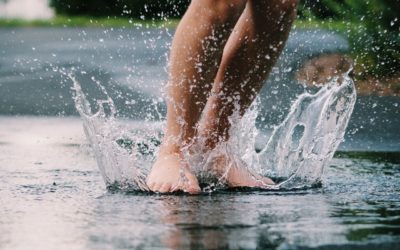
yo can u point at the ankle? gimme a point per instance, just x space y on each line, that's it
210 138
168 149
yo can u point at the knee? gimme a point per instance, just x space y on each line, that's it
279 12
277 7
287 10
287 6
222 10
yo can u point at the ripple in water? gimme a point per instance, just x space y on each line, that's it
296 153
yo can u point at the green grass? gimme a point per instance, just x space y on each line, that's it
86 21
340 26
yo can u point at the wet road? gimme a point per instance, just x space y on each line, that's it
131 64
52 195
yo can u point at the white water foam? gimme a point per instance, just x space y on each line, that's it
296 153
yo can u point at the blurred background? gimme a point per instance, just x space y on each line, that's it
124 44
51 192
372 27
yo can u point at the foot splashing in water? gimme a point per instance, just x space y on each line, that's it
295 155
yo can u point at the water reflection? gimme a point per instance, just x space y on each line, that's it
247 221
205 222
354 209
33 217
370 221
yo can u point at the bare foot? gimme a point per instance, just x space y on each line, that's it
238 175
168 174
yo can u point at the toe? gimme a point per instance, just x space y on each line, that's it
262 182
268 181
192 188
150 185
165 188
156 187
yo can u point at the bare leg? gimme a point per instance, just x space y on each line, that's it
195 55
250 53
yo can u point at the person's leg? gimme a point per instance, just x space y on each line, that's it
249 55
195 55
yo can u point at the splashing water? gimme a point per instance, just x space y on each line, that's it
307 139
295 154
122 162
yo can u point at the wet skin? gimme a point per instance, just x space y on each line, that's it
220 56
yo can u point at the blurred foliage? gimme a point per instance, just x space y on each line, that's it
88 21
373 29
158 9
372 26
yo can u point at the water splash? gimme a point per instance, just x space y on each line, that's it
307 139
296 153
123 154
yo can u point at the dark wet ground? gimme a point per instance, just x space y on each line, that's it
52 195
60 202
